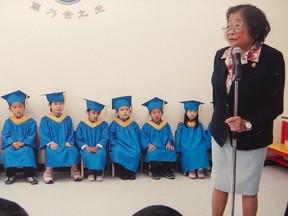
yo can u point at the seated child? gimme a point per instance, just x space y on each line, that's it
125 150
192 143
157 141
18 139
57 138
92 136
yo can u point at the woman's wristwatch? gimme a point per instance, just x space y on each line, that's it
248 125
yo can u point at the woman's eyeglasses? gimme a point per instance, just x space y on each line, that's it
237 27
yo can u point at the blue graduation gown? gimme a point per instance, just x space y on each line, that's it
159 135
15 130
91 134
209 136
125 146
58 130
193 144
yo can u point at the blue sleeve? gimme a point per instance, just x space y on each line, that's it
112 135
138 132
6 134
70 134
31 134
208 132
145 139
104 135
178 137
79 136
44 133
170 135
205 139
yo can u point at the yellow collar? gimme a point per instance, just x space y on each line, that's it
92 124
54 118
122 123
191 124
156 126
20 120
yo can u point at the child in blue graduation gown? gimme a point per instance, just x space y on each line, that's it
18 139
57 138
157 141
192 142
92 136
124 133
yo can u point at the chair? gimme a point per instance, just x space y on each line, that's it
113 166
42 154
279 150
82 166
284 133
113 170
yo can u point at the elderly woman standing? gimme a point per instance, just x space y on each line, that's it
260 101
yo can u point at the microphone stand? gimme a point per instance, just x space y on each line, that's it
237 72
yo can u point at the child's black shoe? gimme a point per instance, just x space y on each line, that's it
168 175
155 176
10 180
32 180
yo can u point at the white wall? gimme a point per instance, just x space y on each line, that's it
143 48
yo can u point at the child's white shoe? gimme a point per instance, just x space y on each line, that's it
99 178
200 173
91 178
192 175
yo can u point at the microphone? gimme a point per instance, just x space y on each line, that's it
237 62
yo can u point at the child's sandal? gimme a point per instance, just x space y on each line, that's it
76 176
48 179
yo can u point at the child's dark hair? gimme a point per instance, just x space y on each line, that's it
50 103
88 110
157 210
21 103
186 120
10 208
159 108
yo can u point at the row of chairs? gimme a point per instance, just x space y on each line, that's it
113 170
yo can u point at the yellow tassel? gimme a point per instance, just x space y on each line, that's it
106 111
64 96
26 100
200 108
